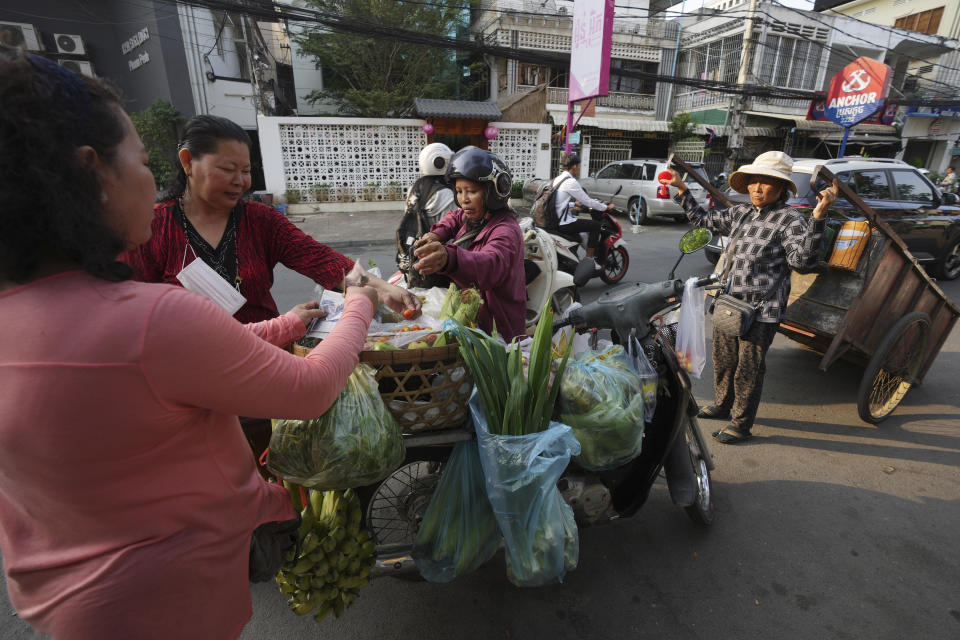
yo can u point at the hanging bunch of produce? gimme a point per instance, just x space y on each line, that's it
334 554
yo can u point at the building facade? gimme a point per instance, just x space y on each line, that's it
930 135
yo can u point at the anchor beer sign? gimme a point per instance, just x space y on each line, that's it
858 91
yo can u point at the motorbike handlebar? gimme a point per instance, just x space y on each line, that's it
711 279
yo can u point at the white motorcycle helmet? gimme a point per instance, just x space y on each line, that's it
434 159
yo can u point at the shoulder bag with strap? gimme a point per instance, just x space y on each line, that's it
731 315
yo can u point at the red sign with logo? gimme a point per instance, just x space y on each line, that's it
818 111
857 92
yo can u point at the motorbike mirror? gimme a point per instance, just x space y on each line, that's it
695 239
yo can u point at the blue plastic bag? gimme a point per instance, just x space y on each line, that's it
521 474
459 531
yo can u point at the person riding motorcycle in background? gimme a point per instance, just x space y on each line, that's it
428 199
569 189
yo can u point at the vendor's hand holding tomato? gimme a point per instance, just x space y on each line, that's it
398 299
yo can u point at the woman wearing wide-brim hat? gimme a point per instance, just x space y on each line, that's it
773 239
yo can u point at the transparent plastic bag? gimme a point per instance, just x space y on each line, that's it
691 338
355 443
459 531
521 474
648 378
601 399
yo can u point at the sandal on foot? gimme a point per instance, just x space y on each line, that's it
731 435
714 412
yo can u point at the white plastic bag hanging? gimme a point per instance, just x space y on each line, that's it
691 337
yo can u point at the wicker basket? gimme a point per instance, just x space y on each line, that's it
425 389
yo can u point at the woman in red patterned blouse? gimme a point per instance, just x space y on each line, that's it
242 241
203 215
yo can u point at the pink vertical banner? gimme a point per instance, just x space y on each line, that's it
590 49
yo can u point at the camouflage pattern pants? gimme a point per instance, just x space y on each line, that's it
739 365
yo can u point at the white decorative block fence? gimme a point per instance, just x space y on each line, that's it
521 146
373 159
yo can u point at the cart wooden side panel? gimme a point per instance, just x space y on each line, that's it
851 312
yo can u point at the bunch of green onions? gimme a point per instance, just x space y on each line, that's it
514 405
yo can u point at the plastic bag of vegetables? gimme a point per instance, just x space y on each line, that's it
601 399
459 531
355 443
648 378
521 474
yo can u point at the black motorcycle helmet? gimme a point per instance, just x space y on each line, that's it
489 169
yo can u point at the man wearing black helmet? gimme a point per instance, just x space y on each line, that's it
480 244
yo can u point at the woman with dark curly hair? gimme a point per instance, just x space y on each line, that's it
128 496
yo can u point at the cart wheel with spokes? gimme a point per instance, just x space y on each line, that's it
395 508
894 367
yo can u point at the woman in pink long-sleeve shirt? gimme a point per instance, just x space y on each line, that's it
128 494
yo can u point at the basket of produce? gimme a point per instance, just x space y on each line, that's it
424 382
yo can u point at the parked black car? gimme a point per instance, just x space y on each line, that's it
927 219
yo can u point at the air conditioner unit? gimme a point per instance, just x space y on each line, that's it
18 34
70 44
81 67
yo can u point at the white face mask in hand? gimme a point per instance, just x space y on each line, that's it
199 278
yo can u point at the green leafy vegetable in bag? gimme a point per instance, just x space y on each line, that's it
601 398
355 443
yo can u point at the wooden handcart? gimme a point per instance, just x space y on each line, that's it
888 316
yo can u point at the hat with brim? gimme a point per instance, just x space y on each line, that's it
774 164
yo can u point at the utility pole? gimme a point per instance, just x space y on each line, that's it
737 119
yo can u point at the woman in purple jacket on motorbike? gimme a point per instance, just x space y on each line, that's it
480 245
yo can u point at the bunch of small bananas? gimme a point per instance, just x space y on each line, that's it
335 554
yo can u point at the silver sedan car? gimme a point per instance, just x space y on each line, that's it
632 186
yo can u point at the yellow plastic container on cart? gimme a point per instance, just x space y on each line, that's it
851 241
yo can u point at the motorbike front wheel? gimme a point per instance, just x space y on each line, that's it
701 511
615 265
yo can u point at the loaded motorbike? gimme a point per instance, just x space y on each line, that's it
673 442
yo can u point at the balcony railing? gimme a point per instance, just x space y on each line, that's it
632 101
696 99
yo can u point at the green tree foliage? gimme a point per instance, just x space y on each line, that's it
380 77
681 128
157 126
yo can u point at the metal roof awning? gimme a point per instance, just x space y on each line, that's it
615 124
432 108
750 132
825 126
864 139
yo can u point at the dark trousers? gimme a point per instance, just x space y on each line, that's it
739 365
591 227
